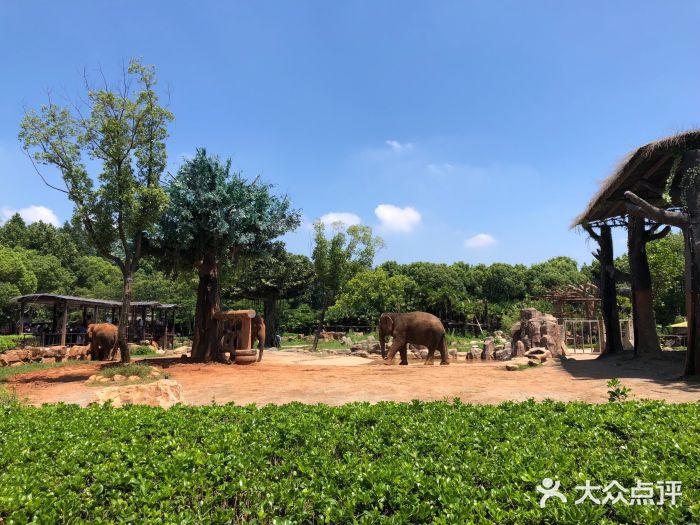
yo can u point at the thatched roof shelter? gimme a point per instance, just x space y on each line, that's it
645 172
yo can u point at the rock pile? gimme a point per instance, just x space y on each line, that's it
43 354
536 330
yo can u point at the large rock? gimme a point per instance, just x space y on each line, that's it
346 340
164 393
536 330
518 349
502 355
489 349
538 354
474 353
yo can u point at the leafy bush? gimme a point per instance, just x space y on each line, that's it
8 342
143 350
384 463
618 392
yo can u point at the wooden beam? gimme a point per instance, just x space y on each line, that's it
232 315
64 324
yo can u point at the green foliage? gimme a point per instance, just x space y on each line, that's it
277 275
144 350
215 212
382 463
618 392
299 319
16 278
336 260
132 369
371 292
8 342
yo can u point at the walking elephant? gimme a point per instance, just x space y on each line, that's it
419 328
102 338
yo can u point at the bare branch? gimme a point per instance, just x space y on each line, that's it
42 176
589 229
642 208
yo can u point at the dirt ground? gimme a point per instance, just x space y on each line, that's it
283 377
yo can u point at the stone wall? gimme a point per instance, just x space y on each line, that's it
43 354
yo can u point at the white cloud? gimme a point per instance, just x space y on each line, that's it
349 219
480 240
398 146
397 219
31 214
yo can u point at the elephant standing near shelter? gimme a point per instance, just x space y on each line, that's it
232 334
419 328
102 338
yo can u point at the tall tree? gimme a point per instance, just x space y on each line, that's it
214 216
278 275
338 259
124 130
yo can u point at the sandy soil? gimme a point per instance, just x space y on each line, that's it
284 376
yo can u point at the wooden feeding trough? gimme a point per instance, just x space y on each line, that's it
240 346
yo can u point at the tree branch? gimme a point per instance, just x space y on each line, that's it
589 229
40 174
653 235
642 208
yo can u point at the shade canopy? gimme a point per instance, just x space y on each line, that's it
75 302
645 172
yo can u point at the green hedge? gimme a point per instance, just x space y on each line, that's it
385 463
8 342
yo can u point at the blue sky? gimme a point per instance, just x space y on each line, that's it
472 131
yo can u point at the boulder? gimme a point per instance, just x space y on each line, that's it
346 340
133 378
474 353
519 349
489 349
362 353
164 393
118 377
502 355
512 366
423 353
452 352
539 354
371 339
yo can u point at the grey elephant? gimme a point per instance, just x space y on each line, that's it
419 328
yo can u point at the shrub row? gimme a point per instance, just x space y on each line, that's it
386 463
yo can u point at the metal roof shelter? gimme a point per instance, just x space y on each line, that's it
69 302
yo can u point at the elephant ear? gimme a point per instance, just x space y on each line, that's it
386 323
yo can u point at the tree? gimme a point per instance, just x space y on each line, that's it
372 292
338 259
277 275
125 132
215 216
666 264
13 233
16 278
552 274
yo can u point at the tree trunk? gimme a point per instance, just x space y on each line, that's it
122 336
206 343
608 293
691 235
271 316
646 340
319 327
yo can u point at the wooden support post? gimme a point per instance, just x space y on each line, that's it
96 314
64 324
246 333
20 321
111 319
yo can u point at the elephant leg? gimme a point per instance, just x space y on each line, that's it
395 346
404 355
431 355
444 357
261 347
